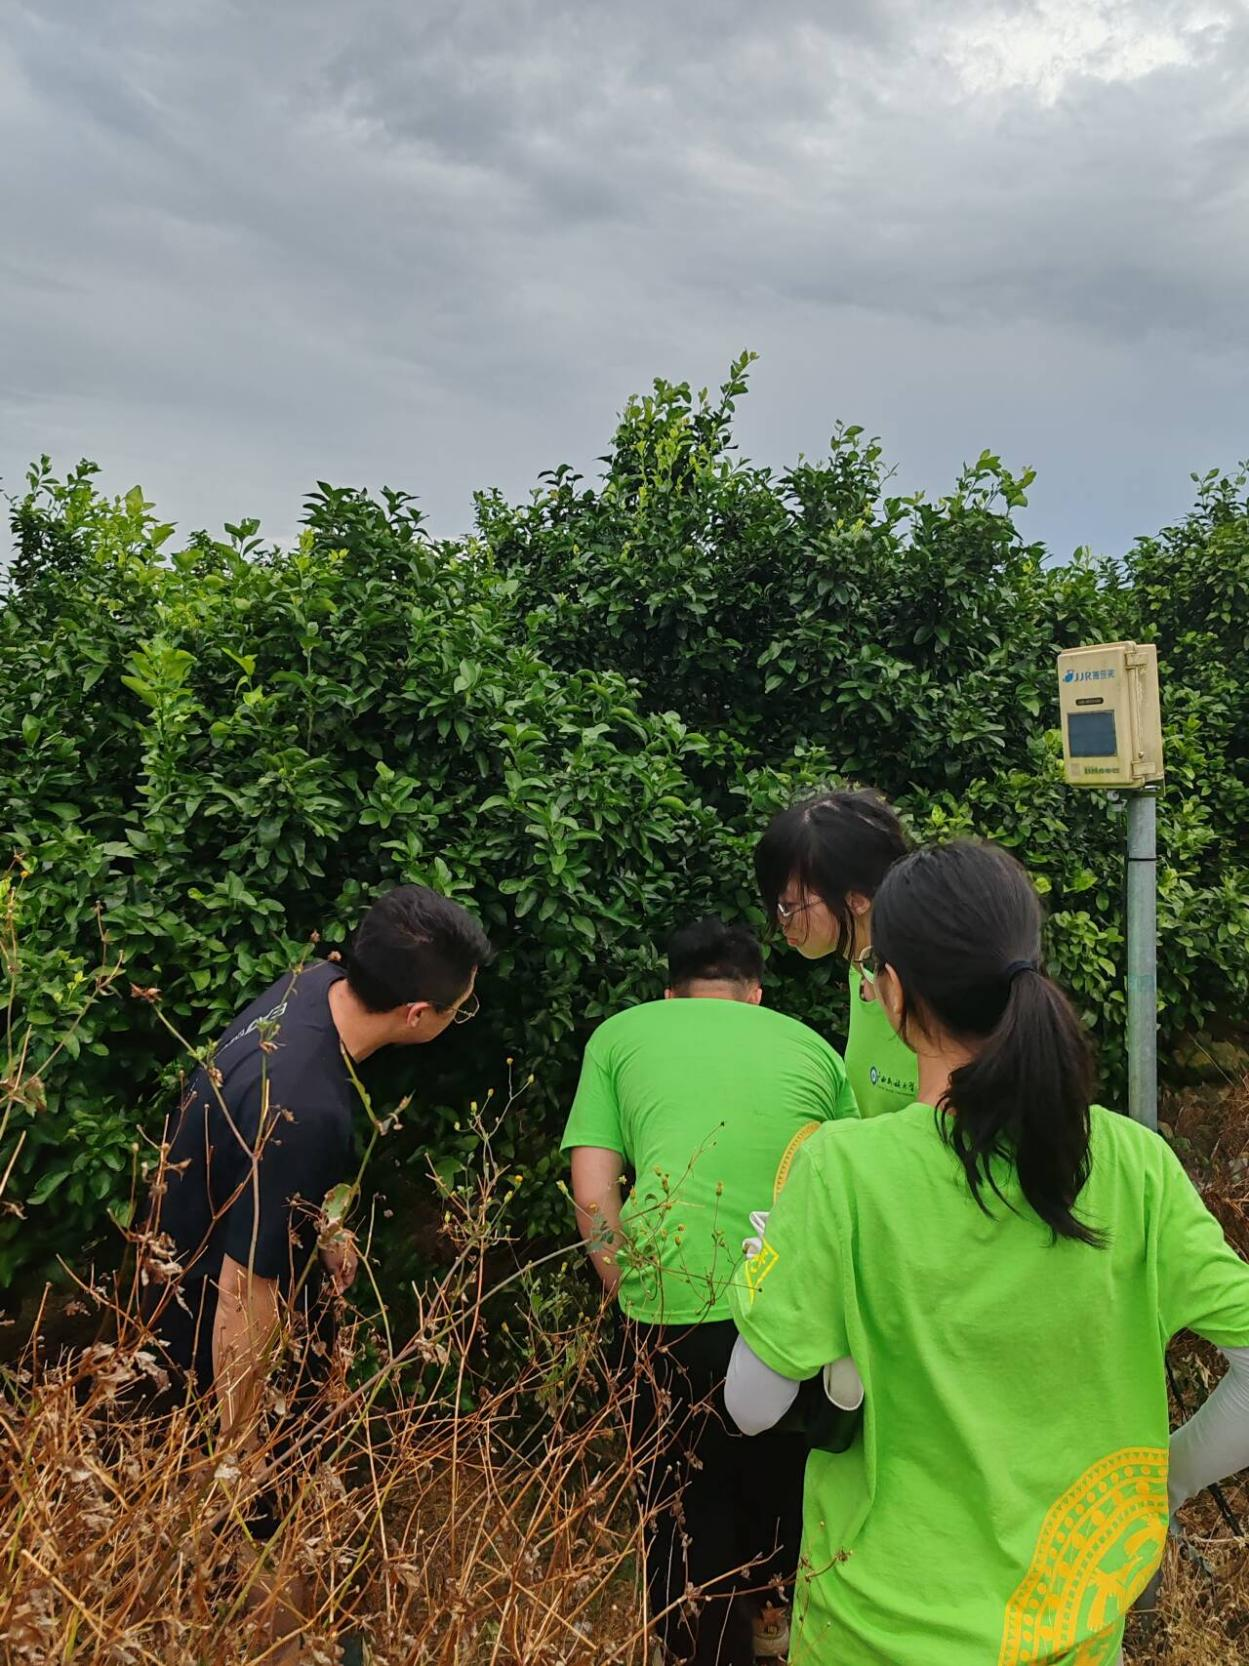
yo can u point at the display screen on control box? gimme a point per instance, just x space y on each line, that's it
1091 734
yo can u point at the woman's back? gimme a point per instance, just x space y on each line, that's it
1008 1499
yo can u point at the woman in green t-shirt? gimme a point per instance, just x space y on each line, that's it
818 866
1005 1264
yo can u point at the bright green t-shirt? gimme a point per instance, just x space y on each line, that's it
1007 1499
707 1100
882 1069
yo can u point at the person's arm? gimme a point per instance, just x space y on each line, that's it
597 1175
1203 1286
291 1162
1214 1443
755 1396
340 1260
787 1299
595 1139
244 1331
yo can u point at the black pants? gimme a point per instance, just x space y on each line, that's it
724 1510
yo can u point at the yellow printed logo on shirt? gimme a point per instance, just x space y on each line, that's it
1095 1553
791 1151
758 1268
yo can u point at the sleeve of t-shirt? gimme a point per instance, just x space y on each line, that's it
293 1163
1203 1283
595 1115
833 1095
787 1300
843 1101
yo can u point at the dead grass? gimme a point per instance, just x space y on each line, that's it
462 1494
455 1514
471 1502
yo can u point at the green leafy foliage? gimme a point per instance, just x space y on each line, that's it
576 720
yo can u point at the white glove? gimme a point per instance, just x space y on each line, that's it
753 1245
843 1384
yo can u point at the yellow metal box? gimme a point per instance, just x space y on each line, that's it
1111 715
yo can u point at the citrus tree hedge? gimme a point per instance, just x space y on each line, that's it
214 752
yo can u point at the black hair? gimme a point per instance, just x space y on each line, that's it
713 950
960 925
830 845
414 945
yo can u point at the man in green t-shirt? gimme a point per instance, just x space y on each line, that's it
703 1098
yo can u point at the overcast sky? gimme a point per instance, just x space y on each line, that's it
246 246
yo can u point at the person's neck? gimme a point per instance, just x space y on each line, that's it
714 989
862 934
361 1032
935 1069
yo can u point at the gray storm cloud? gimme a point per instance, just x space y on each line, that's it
247 247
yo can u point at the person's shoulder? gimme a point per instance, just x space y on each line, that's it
268 1004
306 1067
304 996
280 1005
629 1019
745 1018
1111 1131
796 1030
854 1134
315 977
1141 1157
911 1125
302 1019
878 1144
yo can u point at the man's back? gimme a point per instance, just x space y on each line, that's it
263 1132
706 1099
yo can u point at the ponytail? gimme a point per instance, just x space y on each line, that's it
960 925
1026 1096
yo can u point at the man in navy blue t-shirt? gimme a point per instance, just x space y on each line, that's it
265 1132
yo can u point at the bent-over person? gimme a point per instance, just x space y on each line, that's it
266 1130
702 1098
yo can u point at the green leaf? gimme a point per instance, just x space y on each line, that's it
44 1188
143 689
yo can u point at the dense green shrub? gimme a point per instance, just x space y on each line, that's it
576 720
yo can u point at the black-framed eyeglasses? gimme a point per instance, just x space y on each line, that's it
785 911
468 1008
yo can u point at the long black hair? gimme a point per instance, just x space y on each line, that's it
960 925
830 844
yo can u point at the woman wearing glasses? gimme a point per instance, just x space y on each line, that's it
818 867
1005 1264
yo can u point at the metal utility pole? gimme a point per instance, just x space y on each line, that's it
1142 978
1112 739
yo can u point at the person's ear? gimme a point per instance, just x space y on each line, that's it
888 991
858 904
883 989
414 1015
668 994
756 995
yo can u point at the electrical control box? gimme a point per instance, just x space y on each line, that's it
1111 715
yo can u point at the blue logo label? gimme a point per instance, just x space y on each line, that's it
1088 676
